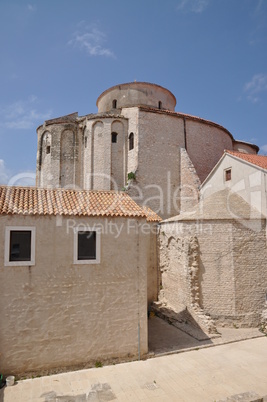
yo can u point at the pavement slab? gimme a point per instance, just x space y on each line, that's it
203 375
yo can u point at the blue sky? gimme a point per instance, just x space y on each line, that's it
58 56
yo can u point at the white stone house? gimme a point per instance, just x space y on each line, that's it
244 174
74 272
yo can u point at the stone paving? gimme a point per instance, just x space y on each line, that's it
201 375
165 338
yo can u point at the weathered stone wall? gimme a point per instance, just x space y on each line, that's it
59 156
153 266
104 162
57 313
241 146
250 256
158 174
135 94
205 145
174 287
217 267
190 183
118 156
101 156
132 114
217 273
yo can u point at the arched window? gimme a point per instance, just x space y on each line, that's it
131 141
114 137
114 104
160 105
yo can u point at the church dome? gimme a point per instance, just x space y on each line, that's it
136 94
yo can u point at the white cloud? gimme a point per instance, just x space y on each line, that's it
257 85
195 6
22 114
4 174
91 40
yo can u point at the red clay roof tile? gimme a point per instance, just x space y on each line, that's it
42 201
258 160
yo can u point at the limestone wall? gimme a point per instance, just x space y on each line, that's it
57 313
217 267
158 174
136 94
104 162
189 183
247 148
205 145
132 114
153 265
59 155
250 256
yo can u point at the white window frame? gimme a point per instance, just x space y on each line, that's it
9 229
75 249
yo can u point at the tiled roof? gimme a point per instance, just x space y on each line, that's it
258 160
41 201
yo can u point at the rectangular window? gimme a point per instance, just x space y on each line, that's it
19 246
86 247
228 174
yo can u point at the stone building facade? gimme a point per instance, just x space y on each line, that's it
58 308
137 131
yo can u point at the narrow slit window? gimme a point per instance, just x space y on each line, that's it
48 149
131 141
114 104
228 174
160 105
114 137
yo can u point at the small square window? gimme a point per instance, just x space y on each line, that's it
86 247
228 174
19 246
